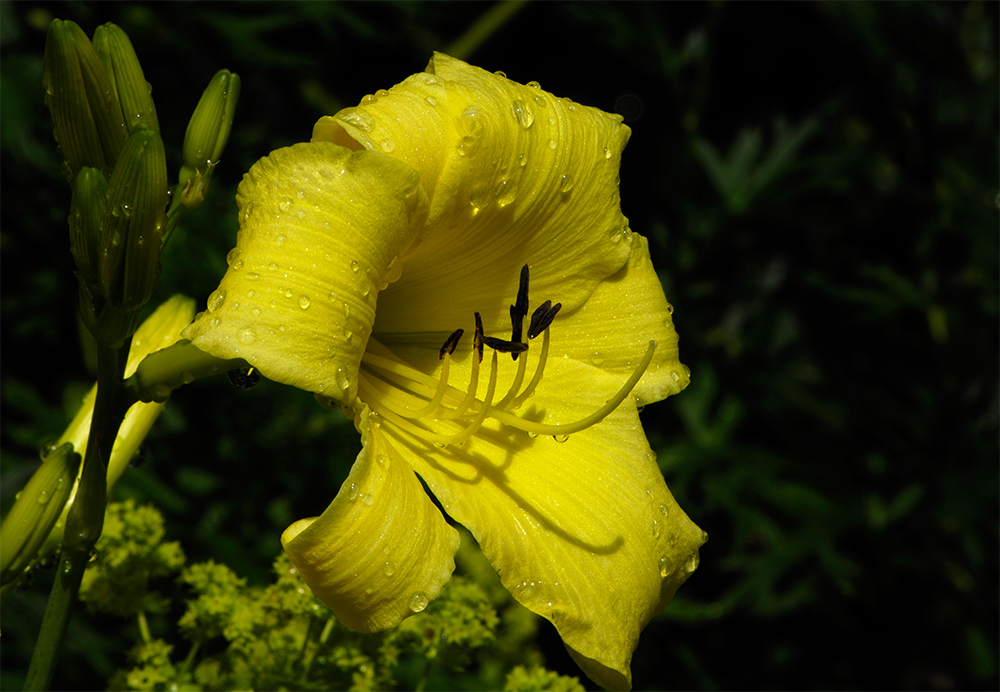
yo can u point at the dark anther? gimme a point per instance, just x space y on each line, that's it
451 343
542 317
477 341
505 346
244 378
519 310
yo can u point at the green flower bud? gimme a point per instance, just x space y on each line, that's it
86 211
88 119
132 233
35 512
129 84
207 134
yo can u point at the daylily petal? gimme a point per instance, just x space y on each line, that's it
514 175
583 532
321 231
621 316
381 551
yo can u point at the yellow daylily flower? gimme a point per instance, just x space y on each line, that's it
459 199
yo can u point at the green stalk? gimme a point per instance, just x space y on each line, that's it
85 520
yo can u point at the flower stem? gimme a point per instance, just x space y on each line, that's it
85 520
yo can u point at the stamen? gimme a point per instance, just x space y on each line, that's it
519 310
451 343
537 377
513 421
542 317
505 346
477 341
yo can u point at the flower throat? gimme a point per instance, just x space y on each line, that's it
404 396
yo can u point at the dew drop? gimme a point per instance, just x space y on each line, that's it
675 375
304 302
342 380
367 498
358 118
692 562
284 205
560 438
522 113
665 566
355 265
566 183
534 85
352 494
252 276
216 299
247 336
656 529
505 192
233 255
44 496
383 461
664 510
389 569
552 144
597 358
607 153
418 602
431 101
280 240
387 145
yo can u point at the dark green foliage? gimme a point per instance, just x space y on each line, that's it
819 185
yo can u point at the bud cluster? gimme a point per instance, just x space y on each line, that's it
109 135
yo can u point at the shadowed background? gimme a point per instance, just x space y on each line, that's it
819 185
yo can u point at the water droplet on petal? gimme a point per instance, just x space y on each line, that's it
216 299
665 566
505 192
280 240
304 302
596 357
552 144
387 145
284 205
367 498
418 602
522 113
355 265
607 153
664 510
247 336
389 568
566 183
358 118
692 562
560 438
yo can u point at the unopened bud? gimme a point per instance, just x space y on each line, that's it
35 512
207 134
89 125
131 233
130 86
86 210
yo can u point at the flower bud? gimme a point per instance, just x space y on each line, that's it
86 211
207 134
131 233
35 512
89 125
123 69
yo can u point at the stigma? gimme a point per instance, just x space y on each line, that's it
434 409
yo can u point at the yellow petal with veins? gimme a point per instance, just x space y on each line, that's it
382 550
322 230
514 175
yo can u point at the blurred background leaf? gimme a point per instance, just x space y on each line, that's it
819 184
